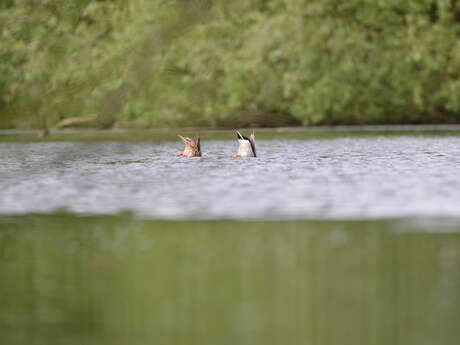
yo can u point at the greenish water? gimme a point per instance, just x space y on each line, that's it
168 134
119 280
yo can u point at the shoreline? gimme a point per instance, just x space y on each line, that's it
167 134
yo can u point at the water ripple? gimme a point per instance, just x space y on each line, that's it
340 178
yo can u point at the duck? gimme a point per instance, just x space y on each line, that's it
192 147
247 146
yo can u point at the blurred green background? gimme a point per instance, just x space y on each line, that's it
120 280
216 63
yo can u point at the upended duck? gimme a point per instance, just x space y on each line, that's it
192 147
246 147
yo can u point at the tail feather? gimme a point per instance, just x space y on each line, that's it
252 140
241 136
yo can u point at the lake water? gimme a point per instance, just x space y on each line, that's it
340 241
291 179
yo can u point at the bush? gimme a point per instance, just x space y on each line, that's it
209 63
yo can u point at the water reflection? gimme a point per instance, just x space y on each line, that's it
118 280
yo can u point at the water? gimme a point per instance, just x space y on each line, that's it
358 178
120 280
345 241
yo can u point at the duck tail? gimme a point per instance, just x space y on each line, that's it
252 140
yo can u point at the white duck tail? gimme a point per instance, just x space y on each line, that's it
247 146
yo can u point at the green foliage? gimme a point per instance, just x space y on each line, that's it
205 62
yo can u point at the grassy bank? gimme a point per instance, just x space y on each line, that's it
285 133
213 63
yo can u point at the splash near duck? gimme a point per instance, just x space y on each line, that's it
192 147
246 146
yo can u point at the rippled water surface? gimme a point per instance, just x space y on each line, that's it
335 178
